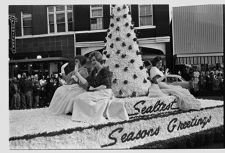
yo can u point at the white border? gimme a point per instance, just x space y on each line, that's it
4 61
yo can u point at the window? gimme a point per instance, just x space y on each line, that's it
145 15
60 18
26 23
96 14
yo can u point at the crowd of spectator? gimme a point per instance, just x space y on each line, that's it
209 81
32 91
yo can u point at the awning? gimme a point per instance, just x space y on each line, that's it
157 46
48 59
151 51
200 60
147 57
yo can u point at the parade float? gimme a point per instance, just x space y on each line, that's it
152 122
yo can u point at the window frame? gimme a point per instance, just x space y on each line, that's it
54 13
139 15
91 17
22 26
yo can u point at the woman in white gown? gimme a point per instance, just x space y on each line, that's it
60 103
91 106
185 99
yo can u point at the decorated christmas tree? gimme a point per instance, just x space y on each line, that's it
130 78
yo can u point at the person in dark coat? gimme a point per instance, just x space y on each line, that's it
10 93
15 101
36 91
28 88
22 82
49 91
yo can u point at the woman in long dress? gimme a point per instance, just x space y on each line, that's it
91 106
185 99
60 103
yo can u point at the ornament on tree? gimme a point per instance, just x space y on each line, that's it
128 34
123 44
120 92
123 55
108 30
130 47
111 46
145 81
135 76
118 19
125 69
138 52
133 94
118 9
124 16
118 29
105 52
111 16
131 27
117 38
126 24
115 81
135 39
118 51
110 35
125 82
112 25
132 61
117 65
141 67
108 55
124 6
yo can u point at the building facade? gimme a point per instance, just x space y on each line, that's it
48 35
198 35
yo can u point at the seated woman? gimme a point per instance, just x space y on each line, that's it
185 100
61 98
91 106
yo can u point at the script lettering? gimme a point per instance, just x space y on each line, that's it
131 136
141 108
113 138
176 124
